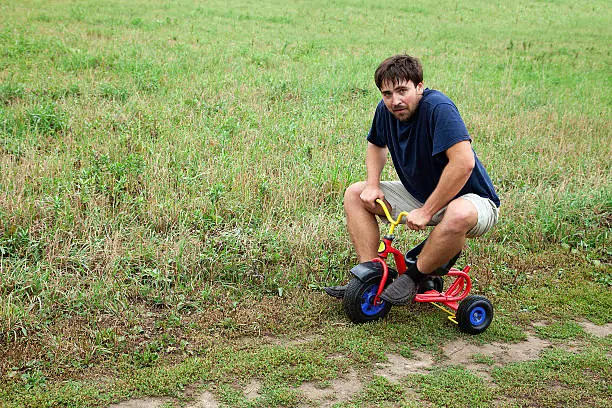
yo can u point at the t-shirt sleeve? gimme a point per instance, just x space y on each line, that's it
449 128
375 136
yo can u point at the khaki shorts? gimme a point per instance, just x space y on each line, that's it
401 200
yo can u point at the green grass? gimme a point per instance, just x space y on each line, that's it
454 386
559 377
172 180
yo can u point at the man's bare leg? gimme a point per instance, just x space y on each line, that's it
363 230
449 236
362 224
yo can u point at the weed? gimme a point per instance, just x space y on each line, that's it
380 390
110 91
17 242
34 379
483 359
10 92
47 119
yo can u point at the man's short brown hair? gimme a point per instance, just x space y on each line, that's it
399 68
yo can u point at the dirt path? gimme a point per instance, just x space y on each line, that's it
397 367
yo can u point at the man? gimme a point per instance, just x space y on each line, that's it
441 181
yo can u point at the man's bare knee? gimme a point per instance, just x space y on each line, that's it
352 194
460 216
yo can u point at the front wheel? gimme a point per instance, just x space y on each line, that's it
359 301
474 314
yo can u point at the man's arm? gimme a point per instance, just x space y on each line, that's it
376 157
456 173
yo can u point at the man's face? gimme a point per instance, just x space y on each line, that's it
402 98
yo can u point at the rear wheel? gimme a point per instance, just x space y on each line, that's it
474 314
359 301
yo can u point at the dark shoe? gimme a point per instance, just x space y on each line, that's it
335 291
401 292
426 285
431 283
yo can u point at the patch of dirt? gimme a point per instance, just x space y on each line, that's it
398 367
596 330
252 389
205 400
461 352
499 354
140 403
339 390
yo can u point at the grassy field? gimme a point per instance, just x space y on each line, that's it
171 188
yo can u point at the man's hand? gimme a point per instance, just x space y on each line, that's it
370 194
417 219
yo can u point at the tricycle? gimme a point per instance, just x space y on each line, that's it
362 302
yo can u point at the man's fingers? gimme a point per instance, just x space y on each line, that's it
414 226
371 204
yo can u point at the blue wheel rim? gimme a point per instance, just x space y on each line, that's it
367 302
478 316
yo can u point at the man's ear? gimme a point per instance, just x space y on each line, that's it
420 88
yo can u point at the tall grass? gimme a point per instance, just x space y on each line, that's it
167 157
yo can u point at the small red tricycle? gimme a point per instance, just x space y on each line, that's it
362 303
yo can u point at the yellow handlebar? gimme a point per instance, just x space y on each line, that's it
391 220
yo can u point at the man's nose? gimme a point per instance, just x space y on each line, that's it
397 100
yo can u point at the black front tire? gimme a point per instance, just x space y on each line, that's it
358 301
474 314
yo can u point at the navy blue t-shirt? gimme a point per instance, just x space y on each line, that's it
417 145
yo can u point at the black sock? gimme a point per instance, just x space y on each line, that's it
415 274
